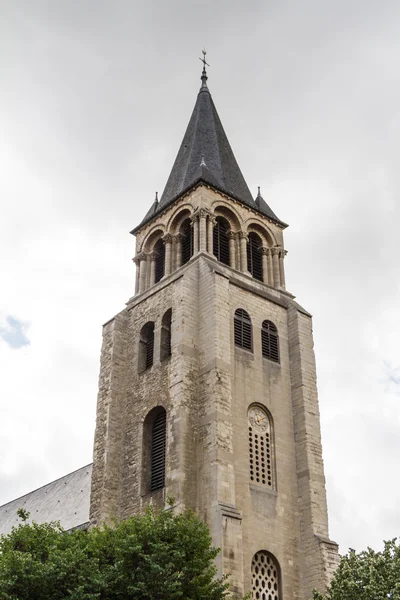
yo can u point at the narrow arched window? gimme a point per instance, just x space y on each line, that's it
159 249
254 257
243 330
187 241
221 240
157 454
165 351
261 447
265 577
270 341
146 347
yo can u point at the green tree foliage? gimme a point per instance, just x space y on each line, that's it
153 556
367 575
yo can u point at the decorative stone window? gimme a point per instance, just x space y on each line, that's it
159 249
243 330
254 256
261 447
146 347
154 450
187 240
221 240
265 577
270 341
165 350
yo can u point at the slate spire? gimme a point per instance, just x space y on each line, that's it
206 155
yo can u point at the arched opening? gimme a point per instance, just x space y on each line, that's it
254 257
159 249
265 577
165 350
243 330
146 347
270 341
221 240
154 450
261 447
187 240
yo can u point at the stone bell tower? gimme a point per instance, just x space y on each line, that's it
207 389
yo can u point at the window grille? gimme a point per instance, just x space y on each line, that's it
270 341
187 241
254 257
261 458
265 577
221 240
243 330
158 438
159 248
166 335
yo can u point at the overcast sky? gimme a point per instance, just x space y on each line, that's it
95 98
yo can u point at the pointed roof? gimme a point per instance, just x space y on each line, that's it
206 155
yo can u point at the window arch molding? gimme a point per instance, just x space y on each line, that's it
184 212
152 238
154 450
267 236
266 577
262 462
229 213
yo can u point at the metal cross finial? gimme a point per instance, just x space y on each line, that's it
203 60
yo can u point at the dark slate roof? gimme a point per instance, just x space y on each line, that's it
205 155
66 500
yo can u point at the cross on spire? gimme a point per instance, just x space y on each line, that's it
204 73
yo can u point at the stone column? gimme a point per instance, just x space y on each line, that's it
210 233
282 254
232 249
243 251
178 250
275 265
195 225
167 238
142 272
153 257
135 259
265 253
202 229
270 267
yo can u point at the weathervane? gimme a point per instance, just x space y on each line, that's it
204 73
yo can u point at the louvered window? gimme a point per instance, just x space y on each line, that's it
187 241
146 347
254 257
243 330
158 438
261 448
159 248
166 335
270 341
221 240
265 577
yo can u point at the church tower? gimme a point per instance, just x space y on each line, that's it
207 389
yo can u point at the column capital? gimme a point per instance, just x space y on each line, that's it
167 238
264 251
140 256
282 253
276 250
178 237
231 235
194 218
243 235
203 213
153 255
